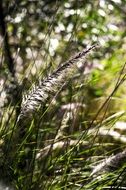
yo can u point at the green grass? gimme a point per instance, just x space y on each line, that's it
63 141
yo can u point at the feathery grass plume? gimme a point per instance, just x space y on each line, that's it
39 94
110 164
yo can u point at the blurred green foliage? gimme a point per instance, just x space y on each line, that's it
43 33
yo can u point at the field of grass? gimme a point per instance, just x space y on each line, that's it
62 95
